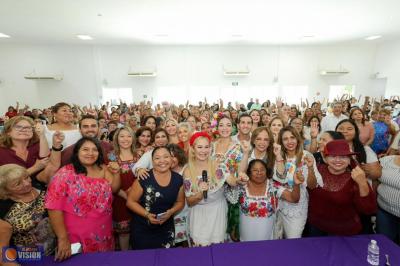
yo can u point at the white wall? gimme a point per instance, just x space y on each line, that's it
388 65
74 62
86 69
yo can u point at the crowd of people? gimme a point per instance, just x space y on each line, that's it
144 176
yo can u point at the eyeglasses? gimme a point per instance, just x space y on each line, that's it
22 128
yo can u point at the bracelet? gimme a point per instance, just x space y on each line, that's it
146 214
57 149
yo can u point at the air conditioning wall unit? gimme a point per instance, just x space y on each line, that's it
142 73
236 72
34 76
44 77
333 72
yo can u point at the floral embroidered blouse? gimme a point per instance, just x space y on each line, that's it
86 205
255 206
230 160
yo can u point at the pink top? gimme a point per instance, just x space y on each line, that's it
366 132
86 205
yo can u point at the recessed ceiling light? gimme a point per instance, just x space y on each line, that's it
2 35
84 37
374 37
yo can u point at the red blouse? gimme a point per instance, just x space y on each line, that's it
8 156
335 207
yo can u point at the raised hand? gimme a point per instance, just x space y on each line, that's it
279 102
314 130
58 138
358 175
245 146
113 167
278 151
298 178
39 129
242 179
309 160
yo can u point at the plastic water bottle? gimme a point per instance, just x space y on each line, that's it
373 253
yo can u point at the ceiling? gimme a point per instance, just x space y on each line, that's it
211 22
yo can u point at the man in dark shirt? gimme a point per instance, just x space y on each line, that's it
249 104
89 127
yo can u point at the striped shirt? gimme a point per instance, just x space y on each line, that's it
389 189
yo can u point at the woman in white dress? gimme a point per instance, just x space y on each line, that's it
291 158
257 203
63 117
208 216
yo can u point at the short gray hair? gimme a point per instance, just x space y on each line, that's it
9 173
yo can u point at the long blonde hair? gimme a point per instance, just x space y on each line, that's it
211 166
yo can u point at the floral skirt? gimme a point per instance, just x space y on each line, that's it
123 227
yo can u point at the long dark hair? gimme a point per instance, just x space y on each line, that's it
177 152
358 147
79 168
269 171
150 117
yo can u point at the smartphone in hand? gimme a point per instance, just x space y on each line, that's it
159 216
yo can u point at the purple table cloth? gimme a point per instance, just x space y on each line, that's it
305 251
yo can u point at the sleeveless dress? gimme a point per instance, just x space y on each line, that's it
155 199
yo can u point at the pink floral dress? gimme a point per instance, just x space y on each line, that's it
86 203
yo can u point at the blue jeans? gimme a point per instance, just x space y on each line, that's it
388 225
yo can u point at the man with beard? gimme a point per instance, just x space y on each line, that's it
244 126
89 127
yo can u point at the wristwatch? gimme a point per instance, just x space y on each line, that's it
57 149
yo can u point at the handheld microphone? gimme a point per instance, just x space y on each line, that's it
205 179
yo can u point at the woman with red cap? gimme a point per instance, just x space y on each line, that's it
335 208
205 196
